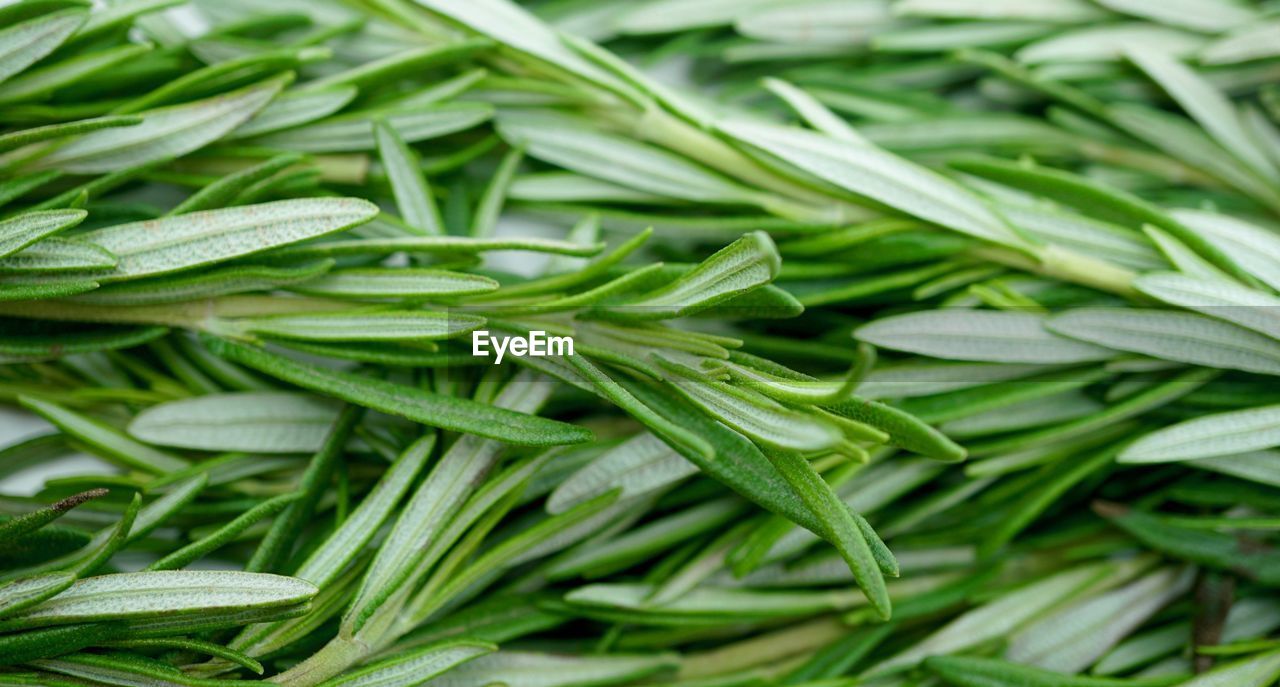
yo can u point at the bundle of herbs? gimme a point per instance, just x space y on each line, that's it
895 342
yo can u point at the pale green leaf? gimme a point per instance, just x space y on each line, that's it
1220 434
172 244
979 335
256 421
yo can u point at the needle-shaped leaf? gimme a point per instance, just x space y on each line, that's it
355 131
1064 11
225 190
533 669
197 549
1208 106
222 281
1208 16
24 592
576 145
295 108
1256 310
1074 638
25 43
462 245
1169 335
104 439
32 645
59 255
514 27
397 325
405 282
1254 248
1218 434
1255 671
258 421
972 671
980 335
756 416
408 184
145 595
458 414
746 264
1098 200
885 178
49 132
21 231
637 466
414 667
172 244
164 133
36 83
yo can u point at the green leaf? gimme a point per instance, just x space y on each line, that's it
533 669
25 43
1254 40
708 604
59 255
257 421
457 414
225 190
414 667
1208 16
393 325
1256 310
1003 614
821 22
29 646
1108 43
980 335
1254 248
20 231
42 81
754 415
1064 11
515 28
164 133
1074 638
104 439
1205 104
228 532
461 245
880 176
205 284
30 522
972 671
1256 671
1168 335
23 137
1212 435
639 465
25 592
355 131
577 145
746 264
1098 200
408 184
842 530
145 595
173 244
404 282
295 108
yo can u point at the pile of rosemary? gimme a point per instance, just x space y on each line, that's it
915 343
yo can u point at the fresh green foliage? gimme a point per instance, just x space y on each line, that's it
922 343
